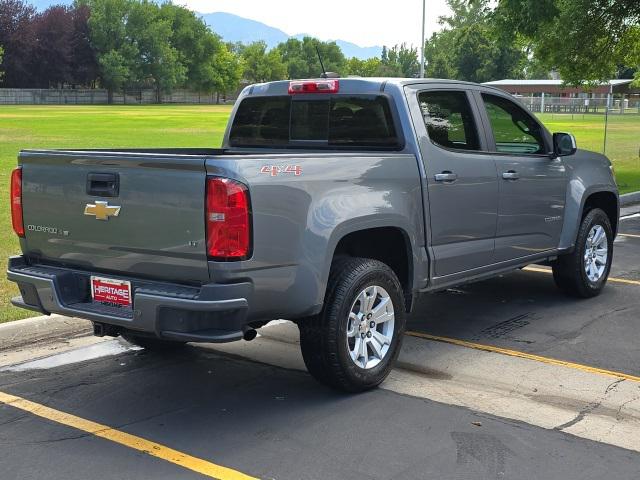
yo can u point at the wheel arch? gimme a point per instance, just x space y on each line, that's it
389 243
579 202
606 201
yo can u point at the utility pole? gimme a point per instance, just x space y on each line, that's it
424 16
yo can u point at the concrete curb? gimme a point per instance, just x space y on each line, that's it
629 199
32 330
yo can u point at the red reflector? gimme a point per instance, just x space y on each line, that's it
16 202
314 86
227 221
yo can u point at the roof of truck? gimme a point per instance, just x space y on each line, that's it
381 80
358 84
406 81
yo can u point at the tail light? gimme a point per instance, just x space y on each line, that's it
314 86
16 202
228 219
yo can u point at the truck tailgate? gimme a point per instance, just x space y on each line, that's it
158 231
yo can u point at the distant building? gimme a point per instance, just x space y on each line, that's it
555 96
556 88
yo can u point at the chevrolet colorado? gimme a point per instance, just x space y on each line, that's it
333 203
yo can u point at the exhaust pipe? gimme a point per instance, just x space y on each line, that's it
249 333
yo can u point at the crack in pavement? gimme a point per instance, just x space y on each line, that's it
589 408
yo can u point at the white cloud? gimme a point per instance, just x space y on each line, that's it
362 22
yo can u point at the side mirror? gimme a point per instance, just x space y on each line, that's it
564 144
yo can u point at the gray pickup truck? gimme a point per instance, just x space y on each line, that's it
333 203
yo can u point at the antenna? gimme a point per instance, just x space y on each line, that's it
324 72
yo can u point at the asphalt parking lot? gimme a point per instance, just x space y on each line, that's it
525 311
556 394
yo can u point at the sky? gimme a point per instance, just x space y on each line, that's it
363 22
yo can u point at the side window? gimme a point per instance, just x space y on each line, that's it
449 119
514 131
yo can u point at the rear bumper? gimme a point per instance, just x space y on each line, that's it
211 313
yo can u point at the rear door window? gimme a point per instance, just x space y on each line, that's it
449 119
337 121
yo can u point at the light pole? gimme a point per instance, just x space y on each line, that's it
424 15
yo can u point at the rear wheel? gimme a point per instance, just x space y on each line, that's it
152 344
584 272
352 344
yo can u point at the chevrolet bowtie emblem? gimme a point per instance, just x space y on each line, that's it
101 210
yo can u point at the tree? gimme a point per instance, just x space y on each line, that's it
84 65
470 46
301 57
584 40
226 71
438 55
131 40
116 53
210 64
1 55
370 67
142 44
46 49
400 61
17 39
158 60
51 57
261 65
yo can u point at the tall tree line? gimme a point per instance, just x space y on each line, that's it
584 40
45 49
114 44
119 44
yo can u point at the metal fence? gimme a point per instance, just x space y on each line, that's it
548 104
38 96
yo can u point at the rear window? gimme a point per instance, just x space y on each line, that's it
338 121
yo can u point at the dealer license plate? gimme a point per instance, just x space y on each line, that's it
111 291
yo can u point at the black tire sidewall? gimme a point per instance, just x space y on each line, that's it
593 218
380 275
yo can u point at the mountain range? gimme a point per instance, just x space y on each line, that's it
233 28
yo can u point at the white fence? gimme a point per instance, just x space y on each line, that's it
548 104
38 96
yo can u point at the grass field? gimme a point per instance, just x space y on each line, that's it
203 126
92 127
623 141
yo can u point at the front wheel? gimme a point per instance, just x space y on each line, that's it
584 272
353 343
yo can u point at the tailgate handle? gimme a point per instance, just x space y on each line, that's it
103 184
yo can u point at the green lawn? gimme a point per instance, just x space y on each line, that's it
93 127
623 141
203 126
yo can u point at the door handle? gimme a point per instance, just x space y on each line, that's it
446 176
511 175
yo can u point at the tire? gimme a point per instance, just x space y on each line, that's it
350 318
571 272
153 344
